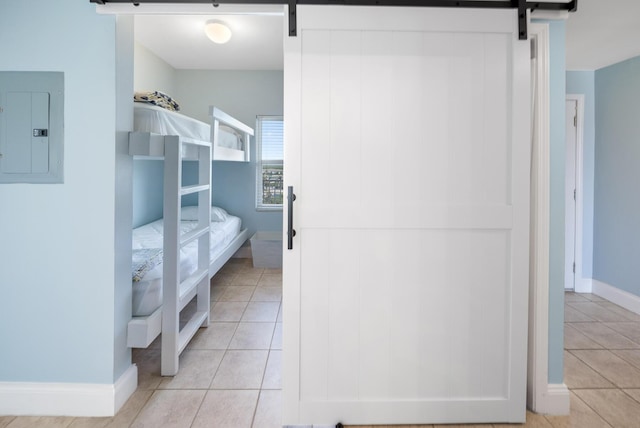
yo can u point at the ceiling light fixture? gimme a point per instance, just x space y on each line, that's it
217 31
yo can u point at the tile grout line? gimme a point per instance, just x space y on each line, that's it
610 351
195 415
594 410
255 411
266 364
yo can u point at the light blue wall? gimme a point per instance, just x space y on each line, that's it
243 95
556 215
616 237
57 241
583 82
148 176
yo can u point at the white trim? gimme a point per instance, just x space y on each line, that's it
584 285
260 163
615 295
540 398
178 8
309 426
245 132
555 400
141 331
578 279
67 399
556 15
125 386
240 9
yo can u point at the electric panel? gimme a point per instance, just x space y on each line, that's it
31 127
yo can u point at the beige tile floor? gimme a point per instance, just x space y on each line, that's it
230 373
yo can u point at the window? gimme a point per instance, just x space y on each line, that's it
269 163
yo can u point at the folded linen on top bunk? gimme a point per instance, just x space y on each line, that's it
157 98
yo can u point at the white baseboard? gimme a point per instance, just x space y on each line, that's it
555 401
584 285
125 386
615 295
308 426
67 399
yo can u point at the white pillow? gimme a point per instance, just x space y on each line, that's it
190 213
218 214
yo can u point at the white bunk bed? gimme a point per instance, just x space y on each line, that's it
164 134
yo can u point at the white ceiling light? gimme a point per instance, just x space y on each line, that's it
217 31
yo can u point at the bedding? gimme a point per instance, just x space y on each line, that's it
229 138
190 213
150 118
147 292
143 260
157 98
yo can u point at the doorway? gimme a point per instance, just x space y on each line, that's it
574 108
178 7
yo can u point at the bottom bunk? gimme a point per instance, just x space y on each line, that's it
226 237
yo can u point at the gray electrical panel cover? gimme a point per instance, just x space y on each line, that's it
31 127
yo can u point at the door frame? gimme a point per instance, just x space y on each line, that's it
541 396
580 285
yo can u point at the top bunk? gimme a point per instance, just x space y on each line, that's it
153 125
231 137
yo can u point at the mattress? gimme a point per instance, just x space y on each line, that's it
147 293
157 120
150 118
229 138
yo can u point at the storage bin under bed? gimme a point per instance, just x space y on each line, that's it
266 249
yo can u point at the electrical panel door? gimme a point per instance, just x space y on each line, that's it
31 128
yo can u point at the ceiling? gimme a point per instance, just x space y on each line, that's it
600 33
256 41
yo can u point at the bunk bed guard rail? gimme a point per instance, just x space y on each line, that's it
521 5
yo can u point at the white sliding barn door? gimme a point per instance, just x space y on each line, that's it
407 144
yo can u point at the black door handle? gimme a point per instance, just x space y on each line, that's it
290 230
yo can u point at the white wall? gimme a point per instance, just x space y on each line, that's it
151 73
57 241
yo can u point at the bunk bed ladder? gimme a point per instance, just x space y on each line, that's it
177 294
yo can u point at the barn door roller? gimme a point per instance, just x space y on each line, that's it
521 5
